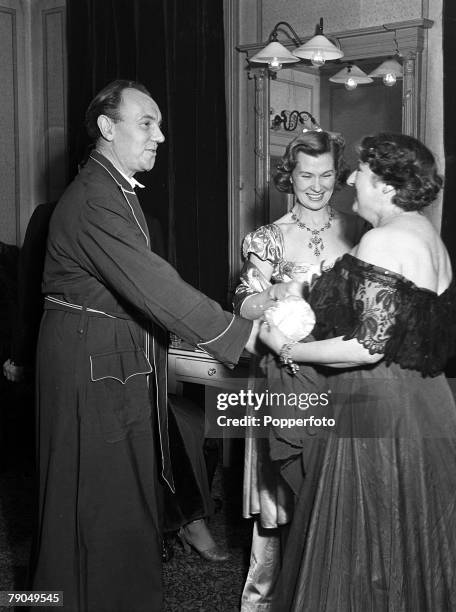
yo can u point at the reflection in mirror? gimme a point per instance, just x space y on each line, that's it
365 110
292 89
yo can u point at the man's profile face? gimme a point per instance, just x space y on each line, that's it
137 134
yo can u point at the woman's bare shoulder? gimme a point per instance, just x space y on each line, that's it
375 248
410 247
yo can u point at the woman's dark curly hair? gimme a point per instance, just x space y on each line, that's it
313 143
406 164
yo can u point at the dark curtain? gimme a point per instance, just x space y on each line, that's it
176 50
449 85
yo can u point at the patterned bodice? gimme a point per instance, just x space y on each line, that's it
268 245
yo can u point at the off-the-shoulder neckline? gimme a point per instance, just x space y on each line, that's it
391 273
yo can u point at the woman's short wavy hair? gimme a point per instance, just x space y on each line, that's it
406 164
107 102
313 143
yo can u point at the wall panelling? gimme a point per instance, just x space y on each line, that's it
54 97
9 142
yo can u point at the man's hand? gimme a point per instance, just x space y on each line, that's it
13 372
280 291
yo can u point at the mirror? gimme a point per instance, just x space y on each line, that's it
256 148
365 110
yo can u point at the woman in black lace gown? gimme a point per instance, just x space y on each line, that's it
375 524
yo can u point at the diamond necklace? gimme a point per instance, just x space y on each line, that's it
315 241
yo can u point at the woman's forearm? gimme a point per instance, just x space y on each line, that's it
334 352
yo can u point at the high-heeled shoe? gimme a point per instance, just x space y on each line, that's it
213 553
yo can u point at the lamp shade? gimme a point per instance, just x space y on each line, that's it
353 73
319 45
390 66
274 52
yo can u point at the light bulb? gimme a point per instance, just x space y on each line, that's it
389 79
351 84
274 64
317 58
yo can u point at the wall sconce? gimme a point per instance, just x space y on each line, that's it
274 54
390 70
351 76
318 49
291 119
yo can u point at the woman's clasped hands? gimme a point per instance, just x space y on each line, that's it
289 320
272 337
268 334
280 291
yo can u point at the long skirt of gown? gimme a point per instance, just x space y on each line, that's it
273 471
374 528
273 475
268 498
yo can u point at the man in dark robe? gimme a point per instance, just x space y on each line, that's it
98 531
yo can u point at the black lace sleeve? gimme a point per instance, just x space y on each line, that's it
375 304
387 314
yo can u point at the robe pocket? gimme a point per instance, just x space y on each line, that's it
119 390
120 365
